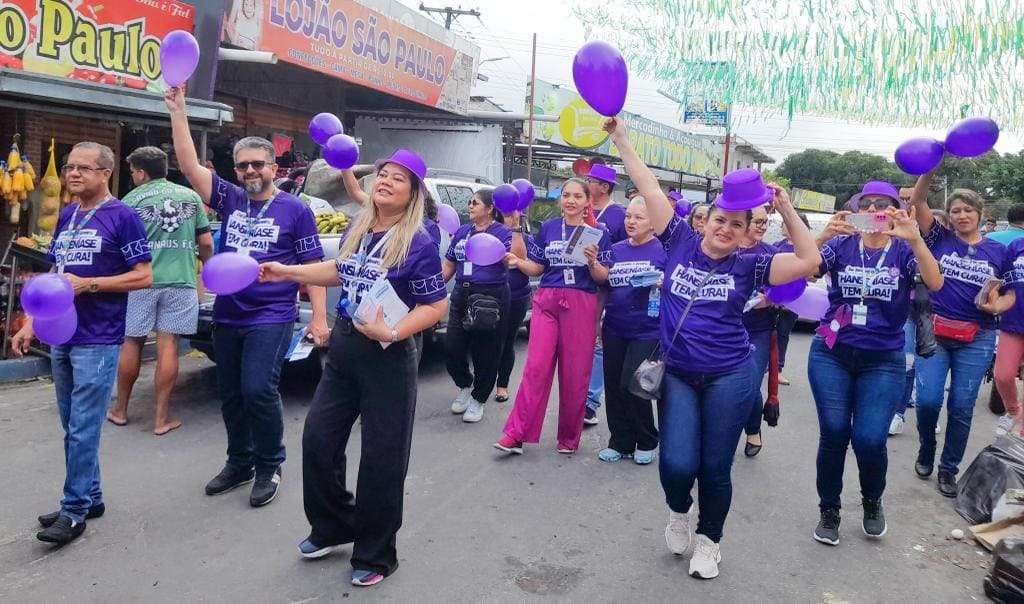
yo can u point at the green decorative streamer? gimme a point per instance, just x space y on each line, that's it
906 62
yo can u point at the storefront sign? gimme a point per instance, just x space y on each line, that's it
347 40
114 42
813 201
658 145
699 110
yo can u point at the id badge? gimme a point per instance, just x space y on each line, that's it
569 276
467 269
860 314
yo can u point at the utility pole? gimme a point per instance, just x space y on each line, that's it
533 92
450 14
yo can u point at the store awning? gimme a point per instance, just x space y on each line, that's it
33 91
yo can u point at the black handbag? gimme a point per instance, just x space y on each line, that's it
483 313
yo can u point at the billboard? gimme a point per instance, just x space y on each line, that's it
804 199
659 145
699 110
346 40
103 41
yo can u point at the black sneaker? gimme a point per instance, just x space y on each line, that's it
229 478
265 489
947 484
874 518
828 527
590 418
62 531
94 512
923 470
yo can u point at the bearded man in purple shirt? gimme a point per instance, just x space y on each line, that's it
100 245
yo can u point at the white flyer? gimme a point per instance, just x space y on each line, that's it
381 295
583 237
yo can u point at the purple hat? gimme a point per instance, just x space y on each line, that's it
602 172
411 162
743 190
876 188
675 195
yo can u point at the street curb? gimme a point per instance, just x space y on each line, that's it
28 368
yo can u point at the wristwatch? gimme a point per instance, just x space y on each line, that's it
93 286
518 229
394 335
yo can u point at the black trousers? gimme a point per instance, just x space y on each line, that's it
483 347
516 315
784 326
360 379
630 418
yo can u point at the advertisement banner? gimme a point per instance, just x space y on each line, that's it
699 110
346 40
110 42
660 146
813 201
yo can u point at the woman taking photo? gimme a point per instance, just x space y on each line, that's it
475 284
519 291
562 328
709 379
856 365
370 372
965 332
760 323
633 272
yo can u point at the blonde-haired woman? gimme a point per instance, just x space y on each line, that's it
370 372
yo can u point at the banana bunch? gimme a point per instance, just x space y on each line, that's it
331 224
19 178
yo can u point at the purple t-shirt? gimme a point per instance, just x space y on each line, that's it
760 319
418 280
966 268
625 310
493 274
613 219
1013 273
519 283
286 234
434 230
109 244
887 296
713 338
546 249
784 246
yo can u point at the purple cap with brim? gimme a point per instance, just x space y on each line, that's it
876 188
743 189
408 160
675 195
602 172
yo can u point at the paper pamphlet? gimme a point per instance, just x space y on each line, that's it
381 295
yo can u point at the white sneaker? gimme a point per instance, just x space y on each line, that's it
461 402
706 556
474 413
896 425
1004 425
679 533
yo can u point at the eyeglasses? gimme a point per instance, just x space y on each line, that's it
83 170
758 223
243 166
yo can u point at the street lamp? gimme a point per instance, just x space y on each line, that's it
494 59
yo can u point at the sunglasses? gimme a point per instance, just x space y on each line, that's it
243 166
880 203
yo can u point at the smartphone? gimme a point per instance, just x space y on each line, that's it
991 284
869 223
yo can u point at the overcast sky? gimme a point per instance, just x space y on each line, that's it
505 29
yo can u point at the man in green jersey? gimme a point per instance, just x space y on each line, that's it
178 232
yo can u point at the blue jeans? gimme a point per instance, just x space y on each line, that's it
596 388
909 347
967 364
249 363
855 391
700 418
83 378
762 347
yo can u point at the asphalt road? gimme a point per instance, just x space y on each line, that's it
479 527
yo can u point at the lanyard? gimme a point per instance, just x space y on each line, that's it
564 240
362 257
252 221
598 217
864 270
74 230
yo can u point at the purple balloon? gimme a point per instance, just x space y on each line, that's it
56 330
972 137
229 272
683 208
447 218
526 193
48 295
341 152
179 55
506 198
787 292
601 77
323 126
485 249
919 156
811 305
